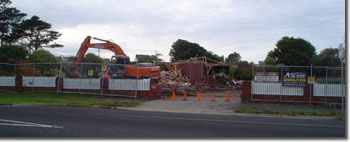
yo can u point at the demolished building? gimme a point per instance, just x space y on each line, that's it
198 73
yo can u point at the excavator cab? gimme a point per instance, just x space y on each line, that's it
118 66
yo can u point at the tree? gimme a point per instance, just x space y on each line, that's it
12 53
182 50
9 17
36 34
92 58
5 2
68 58
269 60
148 58
213 56
328 57
243 70
292 51
233 58
43 56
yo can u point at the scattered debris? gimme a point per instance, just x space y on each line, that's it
172 78
198 73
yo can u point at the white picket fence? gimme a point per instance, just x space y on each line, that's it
328 90
7 81
275 88
129 84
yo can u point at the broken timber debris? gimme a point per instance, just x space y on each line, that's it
192 74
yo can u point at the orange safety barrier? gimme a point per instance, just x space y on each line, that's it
212 97
173 98
199 96
227 97
185 96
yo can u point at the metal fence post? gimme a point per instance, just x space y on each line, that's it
136 86
103 79
59 78
80 75
310 87
326 86
14 69
281 84
33 78
14 75
342 87
251 85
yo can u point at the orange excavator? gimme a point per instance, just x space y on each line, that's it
120 63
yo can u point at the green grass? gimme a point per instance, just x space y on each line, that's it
66 99
291 112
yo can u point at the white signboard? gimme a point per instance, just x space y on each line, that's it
266 76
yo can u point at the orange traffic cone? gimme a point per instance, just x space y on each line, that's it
173 98
199 96
212 97
227 97
185 96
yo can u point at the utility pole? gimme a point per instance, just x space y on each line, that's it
341 58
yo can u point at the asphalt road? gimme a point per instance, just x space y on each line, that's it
63 122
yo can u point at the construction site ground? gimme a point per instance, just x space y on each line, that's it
191 105
218 107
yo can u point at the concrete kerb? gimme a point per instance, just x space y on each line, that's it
232 114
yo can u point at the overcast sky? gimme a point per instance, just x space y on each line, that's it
249 27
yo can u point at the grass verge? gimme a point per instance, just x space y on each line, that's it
66 99
334 113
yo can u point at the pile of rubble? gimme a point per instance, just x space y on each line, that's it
169 78
196 73
173 81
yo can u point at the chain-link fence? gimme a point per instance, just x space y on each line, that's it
298 84
94 78
7 76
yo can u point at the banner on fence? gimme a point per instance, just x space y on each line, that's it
294 79
266 76
90 72
311 79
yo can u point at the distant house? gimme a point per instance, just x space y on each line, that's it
261 63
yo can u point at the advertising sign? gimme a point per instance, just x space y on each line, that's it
294 79
266 76
90 72
311 79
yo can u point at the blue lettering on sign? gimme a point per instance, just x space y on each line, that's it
294 75
293 79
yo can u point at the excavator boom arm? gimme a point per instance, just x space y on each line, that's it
107 45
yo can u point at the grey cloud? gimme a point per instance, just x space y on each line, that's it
221 25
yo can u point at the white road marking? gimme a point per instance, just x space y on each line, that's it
228 121
26 124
